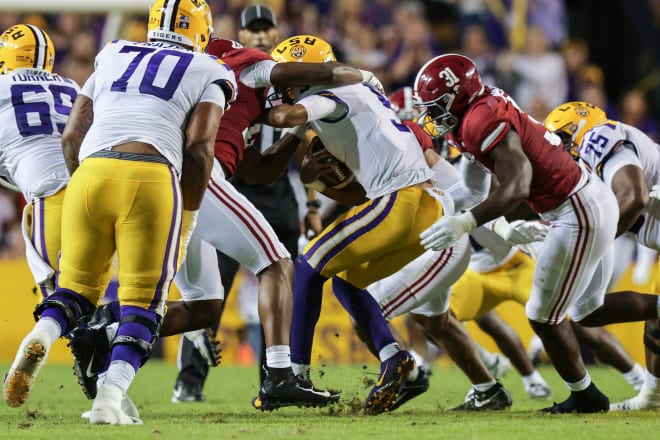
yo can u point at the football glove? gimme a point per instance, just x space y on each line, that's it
447 230
655 191
188 223
524 232
370 78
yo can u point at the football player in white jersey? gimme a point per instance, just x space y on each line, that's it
139 145
373 240
34 107
629 162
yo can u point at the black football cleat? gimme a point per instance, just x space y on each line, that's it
495 398
282 388
590 400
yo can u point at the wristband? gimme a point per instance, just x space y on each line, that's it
313 204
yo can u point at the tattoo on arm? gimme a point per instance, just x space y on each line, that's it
80 120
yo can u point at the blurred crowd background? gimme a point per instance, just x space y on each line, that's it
543 52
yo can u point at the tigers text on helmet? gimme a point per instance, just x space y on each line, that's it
185 22
303 49
445 86
25 46
570 121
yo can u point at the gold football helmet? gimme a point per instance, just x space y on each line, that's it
303 49
186 22
25 46
570 121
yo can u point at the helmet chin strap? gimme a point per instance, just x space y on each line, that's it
580 125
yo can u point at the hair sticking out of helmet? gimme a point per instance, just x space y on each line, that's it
570 121
303 49
184 22
444 87
25 46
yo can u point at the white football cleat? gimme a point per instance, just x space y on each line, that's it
538 390
645 400
500 367
30 357
107 408
127 406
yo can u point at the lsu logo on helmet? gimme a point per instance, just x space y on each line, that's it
298 51
186 22
303 49
25 46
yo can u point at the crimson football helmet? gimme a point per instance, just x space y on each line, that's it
403 105
444 87
220 47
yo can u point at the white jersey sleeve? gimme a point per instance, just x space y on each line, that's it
365 134
626 156
611 145
34 108
258 74
144 92
319 107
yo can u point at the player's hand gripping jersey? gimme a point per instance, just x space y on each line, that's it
160 99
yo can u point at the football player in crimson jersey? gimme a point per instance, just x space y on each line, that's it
628 161
246 236
531 166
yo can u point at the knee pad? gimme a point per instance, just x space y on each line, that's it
652 335
139 332
75 307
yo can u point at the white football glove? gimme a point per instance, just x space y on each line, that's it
188 223
370 78
447 230
524 232
655 191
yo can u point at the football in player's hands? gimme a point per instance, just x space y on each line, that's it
339 175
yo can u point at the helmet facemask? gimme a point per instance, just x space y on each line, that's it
437 114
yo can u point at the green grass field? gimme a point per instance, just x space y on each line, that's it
54 408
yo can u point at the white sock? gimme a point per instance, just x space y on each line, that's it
278 356
419 360
635 374
50 327
484 386
580 385
120 374
534 377
651 381
301 370
388 351
101 379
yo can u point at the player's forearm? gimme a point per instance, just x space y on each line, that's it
284 116
267 168
78 124
305 74
501 201
630 209
195 174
